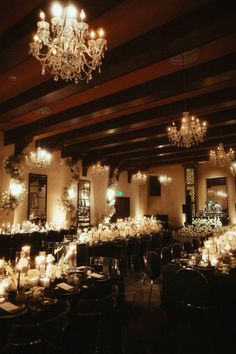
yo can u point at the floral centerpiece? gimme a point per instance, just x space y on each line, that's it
200 227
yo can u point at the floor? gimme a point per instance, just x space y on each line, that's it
146 330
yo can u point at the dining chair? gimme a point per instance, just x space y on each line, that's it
195 309
89 330
153 270
176 250
166 255
39 337
188 247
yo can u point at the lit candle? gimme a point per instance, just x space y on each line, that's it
45 282
25 251
2 293
2 266
33 281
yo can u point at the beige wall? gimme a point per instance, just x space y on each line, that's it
172 196
170 202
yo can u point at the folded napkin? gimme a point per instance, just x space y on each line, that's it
96 275
65 286
9 307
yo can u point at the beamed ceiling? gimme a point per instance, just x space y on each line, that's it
121 116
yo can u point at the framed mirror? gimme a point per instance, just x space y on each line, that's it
83 204
37 202
217 199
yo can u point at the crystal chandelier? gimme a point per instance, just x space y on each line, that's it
191 131
38 159
139 178
65 47
165 180
220 157
98 170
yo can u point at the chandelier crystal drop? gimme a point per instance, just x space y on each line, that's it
98 170
65 47
191 132
39 159
139 178
165 180
220 157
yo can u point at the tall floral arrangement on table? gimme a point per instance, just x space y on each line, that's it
66 200
13 197
200 227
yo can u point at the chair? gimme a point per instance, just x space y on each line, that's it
196 244
39 337
166 255
193 300
176 250
90 329
188 248
153 269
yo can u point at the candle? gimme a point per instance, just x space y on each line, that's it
2 266
25 251
2 293
45 282
33 281
40 262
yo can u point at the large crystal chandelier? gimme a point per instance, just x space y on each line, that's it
191 131
38 159
65 47
220 157
98 170
165 180
139 178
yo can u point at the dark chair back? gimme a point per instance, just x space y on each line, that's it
196 244
192 288
166 255
153 265
176 250
188 248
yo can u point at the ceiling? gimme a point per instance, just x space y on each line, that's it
121 116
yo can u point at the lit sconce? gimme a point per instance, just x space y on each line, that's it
111 193
71 193
16 188
165 180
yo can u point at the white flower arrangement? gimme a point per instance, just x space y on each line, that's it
200 227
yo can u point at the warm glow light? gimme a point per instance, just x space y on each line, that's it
165 180
82 15
16 188
111 193
56 9
71 11
42 15
71 193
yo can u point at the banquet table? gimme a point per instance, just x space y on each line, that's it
222 286
91 285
